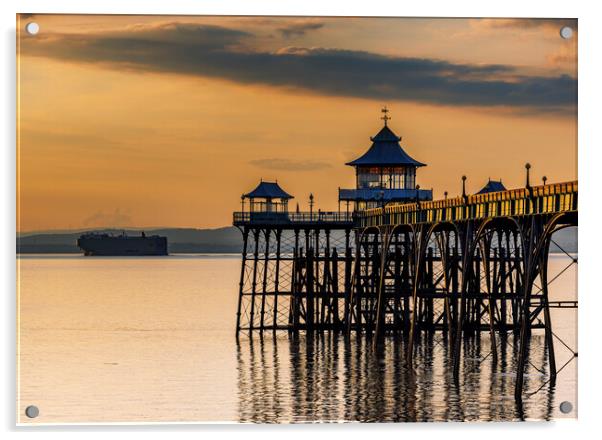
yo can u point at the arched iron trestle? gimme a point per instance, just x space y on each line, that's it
459 266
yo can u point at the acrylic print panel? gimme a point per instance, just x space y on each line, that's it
265 219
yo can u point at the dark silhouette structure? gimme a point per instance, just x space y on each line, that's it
102 244
401 263
284 254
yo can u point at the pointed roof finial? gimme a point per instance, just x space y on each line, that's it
385 117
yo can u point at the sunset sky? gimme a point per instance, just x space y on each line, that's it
145 121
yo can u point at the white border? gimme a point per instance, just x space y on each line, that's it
590 144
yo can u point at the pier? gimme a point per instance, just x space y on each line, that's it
402 263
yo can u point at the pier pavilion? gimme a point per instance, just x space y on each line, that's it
268 202
384 174
401 263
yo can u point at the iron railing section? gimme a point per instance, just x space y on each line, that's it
292 218
544 199
378 194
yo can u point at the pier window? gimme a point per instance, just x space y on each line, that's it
368 178
386 178
480 210
520 207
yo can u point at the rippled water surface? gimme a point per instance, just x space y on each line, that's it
152 339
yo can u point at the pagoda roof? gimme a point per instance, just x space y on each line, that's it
268 190
385 151
492 186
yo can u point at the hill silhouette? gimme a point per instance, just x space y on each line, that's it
190 240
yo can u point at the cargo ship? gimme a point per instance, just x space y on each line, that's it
102 244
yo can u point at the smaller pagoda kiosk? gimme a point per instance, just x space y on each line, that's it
492 186
267 202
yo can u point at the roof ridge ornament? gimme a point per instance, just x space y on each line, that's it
385 117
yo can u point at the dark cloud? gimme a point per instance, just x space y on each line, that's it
299 29
213 51
289 164
530 23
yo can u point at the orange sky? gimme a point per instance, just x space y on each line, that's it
110 135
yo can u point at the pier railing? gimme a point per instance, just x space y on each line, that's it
544 199
292 218
384 194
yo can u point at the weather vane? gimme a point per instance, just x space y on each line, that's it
385 117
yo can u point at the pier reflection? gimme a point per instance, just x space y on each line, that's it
328 377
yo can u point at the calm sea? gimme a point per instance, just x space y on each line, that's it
152 339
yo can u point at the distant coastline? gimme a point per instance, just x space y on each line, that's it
226 240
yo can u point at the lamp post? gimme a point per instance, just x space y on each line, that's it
529 189
242 202
545 179
311 205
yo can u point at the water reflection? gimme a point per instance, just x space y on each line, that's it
327 377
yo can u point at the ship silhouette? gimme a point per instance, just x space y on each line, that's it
103 244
